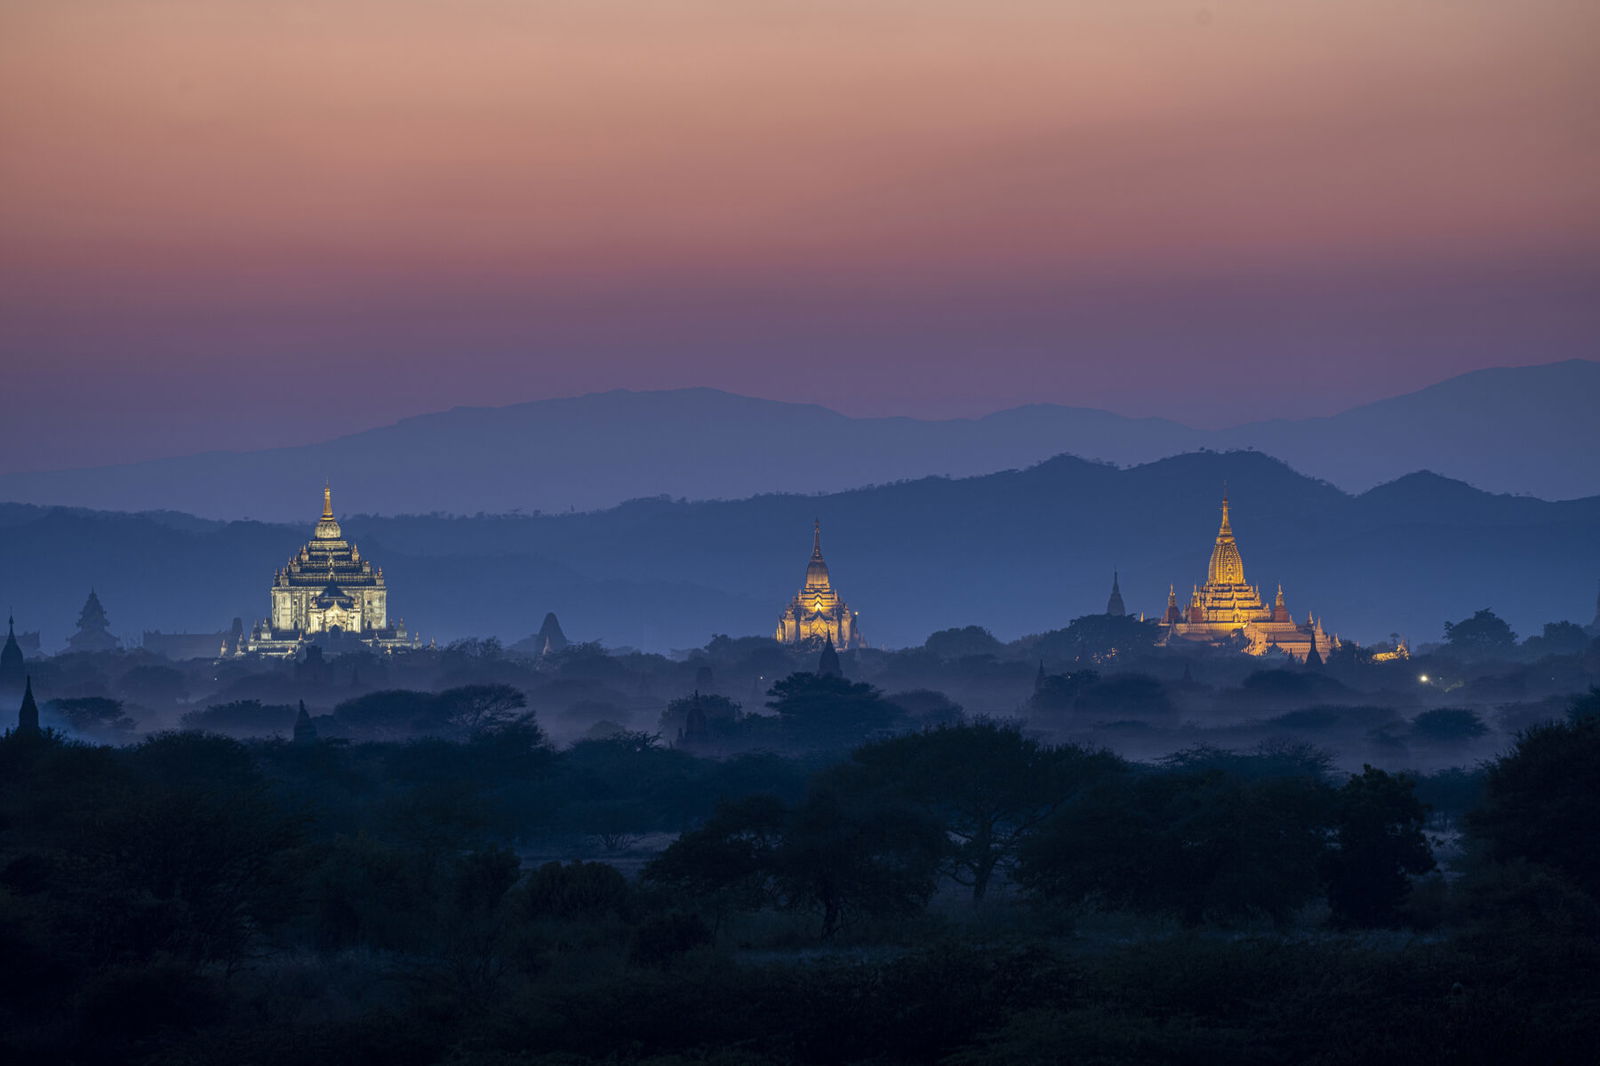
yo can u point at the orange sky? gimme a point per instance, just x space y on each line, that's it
955 206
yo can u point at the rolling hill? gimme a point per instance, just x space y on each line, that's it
1017 551
1523 430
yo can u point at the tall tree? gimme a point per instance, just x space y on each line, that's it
829 712
986 784
1485 633
1542 801
1197 845
1378 846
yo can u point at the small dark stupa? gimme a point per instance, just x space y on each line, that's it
28 714
695 728
1114 605
13 669
304 731
1313 659
94 630
550 637
828 664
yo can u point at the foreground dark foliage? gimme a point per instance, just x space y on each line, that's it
193 899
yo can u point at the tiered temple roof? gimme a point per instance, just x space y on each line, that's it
328 561
1227 606
817 612
328 592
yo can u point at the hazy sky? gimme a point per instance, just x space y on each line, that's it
238 223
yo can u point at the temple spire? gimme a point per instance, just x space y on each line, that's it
305 731
327 499
1114 605
1226 568
816 538
28 714
828 664
12 666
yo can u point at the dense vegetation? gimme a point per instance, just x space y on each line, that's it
964 892
1074 847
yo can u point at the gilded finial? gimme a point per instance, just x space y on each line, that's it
816 538
327 499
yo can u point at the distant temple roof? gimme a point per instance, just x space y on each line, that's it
329 562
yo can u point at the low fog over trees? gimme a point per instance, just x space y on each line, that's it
967 851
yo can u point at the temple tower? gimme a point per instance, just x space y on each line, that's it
1114 605
327 588
28 713
13 668
94 630
1227 606
818 612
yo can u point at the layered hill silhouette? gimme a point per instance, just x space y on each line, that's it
1526 430
1018 551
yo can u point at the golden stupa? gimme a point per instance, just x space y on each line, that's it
1227 609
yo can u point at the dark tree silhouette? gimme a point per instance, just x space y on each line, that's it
729 863
1099 639
1196 845
844 855
1448 725
963 643
829 712
1485 633
1542 803
986 784
1378 845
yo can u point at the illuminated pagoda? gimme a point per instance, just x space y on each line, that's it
1227 609
817 613
327 591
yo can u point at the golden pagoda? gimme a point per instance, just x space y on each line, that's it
817 613
1228 609
327 590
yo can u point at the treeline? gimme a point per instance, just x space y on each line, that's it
194 898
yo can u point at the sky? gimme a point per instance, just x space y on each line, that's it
233 224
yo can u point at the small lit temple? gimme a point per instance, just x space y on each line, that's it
1227 609
817 613
327 590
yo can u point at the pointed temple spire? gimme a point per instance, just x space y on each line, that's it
1114 604
327 499
1313 659
305 732
28 714
817 610
817 577
1227 567
13 670
828 664
551 637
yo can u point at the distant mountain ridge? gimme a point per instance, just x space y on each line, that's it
1018 551
1526 430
